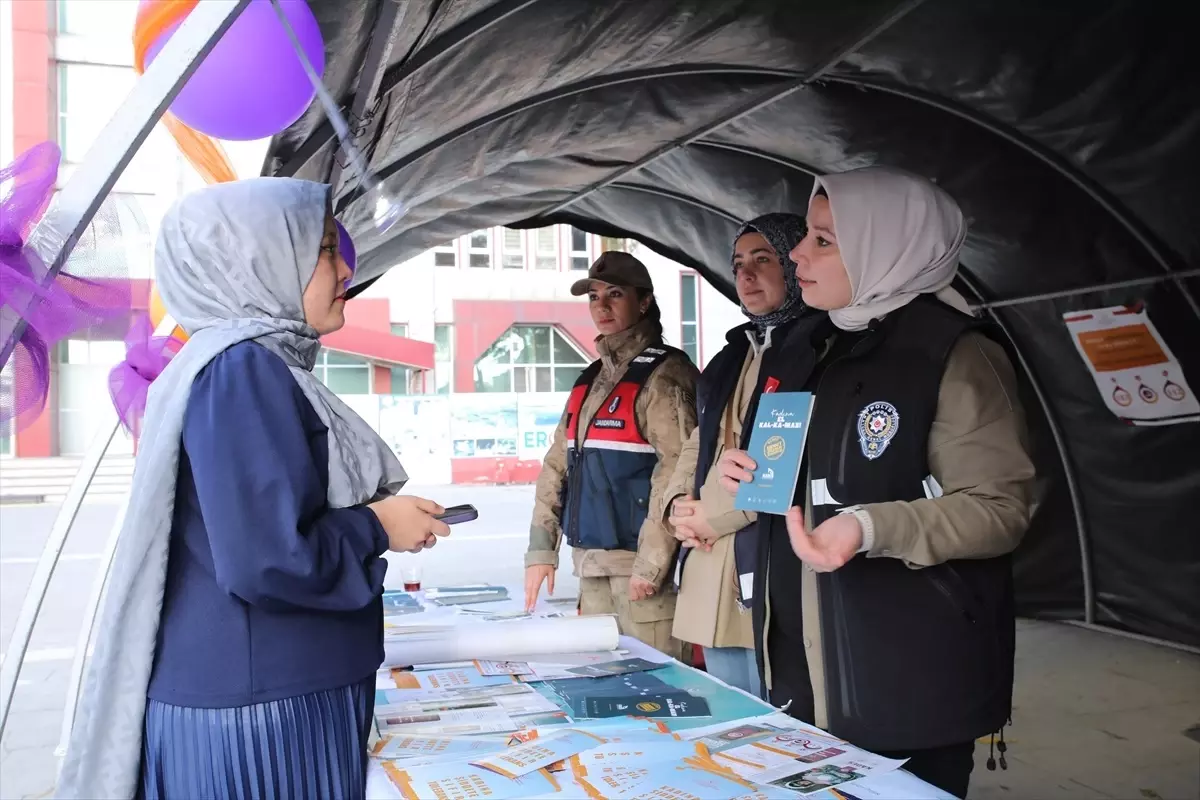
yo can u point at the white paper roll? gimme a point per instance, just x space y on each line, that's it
508 641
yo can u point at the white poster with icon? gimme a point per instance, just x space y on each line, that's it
1137 375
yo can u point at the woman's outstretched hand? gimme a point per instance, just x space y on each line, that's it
735 468
831 544
534 576
409 522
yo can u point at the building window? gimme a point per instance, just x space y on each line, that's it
580 256
513 256
443 358
689 316
479 249
401 376
343 374
445 255
97 18
529 358
546 256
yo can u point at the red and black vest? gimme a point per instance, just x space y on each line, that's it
609 465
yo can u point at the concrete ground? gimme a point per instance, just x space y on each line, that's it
1097 716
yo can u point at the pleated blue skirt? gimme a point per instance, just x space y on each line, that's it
311 746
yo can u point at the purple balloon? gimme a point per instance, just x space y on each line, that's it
346 248
252 85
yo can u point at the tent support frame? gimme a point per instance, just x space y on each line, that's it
560 93
388 24
870 33
1059 164
59 231
1064 456
447 43
1176 276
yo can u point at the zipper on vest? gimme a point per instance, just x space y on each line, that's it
946 592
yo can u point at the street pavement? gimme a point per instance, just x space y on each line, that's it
487 550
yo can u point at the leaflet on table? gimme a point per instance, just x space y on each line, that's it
445 723
622 667
618 766
666 704
432 748
461 781
783 748
725 735
446 679
894 785
393 696
807 773
689 782
537 754
503 668
576 692
776 445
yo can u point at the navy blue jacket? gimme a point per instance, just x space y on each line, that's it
270 593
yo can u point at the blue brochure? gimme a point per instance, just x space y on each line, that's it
777 447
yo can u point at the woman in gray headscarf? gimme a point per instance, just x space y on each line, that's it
888 613
242 625
718 542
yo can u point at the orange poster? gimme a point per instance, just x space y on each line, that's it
1126 347
1138 377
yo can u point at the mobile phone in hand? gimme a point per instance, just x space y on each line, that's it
457 514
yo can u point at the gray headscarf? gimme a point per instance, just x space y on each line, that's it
232 263
783 232
899 235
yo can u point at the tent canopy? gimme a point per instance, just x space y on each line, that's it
1066 130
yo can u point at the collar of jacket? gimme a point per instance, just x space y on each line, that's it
618 349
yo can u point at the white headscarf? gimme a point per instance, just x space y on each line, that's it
232 262
899 235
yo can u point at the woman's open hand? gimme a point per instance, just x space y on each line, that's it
830 545
534 577
409 522
735 468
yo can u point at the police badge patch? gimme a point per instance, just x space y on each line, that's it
877 424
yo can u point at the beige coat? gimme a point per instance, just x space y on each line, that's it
708 613
666 413
979 456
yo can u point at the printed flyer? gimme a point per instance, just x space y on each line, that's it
1137 375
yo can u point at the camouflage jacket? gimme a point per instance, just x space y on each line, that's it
666 413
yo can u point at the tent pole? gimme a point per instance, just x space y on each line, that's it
388 24
1099 287
774 96
59 229
447 42
1138 637
1062 166
10 671
1085 556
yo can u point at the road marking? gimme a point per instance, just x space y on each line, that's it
4 562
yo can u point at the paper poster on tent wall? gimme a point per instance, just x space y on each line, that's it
1137 375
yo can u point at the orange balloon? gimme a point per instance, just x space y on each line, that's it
158 311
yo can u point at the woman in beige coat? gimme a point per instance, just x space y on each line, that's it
714 600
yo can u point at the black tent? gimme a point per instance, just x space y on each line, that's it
1067 130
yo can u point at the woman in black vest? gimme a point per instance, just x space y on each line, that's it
889 611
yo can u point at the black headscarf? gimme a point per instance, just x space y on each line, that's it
783 232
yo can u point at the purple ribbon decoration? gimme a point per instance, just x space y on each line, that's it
53 310
146 356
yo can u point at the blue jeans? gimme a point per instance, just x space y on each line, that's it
734 665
